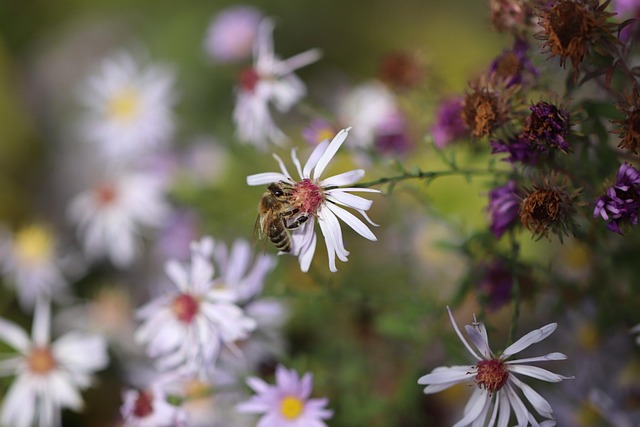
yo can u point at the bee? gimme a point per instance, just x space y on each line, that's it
276 216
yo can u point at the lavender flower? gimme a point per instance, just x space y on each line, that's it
286 404
449 124
513 64
496 284
621 202
518 148
504 205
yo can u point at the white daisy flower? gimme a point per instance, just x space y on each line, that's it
30 261
187 329
323 199
151 408
110 217
236 272
497 386
49 375
128 107
270 80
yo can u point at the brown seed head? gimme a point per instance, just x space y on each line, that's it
401 70
629 127
572 27
548 208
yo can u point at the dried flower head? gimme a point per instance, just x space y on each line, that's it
487 106
401 70
514 65
629 127
548 127
548 207
570 28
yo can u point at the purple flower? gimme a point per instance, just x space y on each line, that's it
496 284
504 205
518 148
627 7
231 34
449 124
392 136
548 127
513 64
286 404
621 202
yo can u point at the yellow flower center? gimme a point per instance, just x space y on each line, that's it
124 105
291 407
588 415
34 244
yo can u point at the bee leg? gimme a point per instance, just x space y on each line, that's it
298 222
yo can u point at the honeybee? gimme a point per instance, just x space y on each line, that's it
275 216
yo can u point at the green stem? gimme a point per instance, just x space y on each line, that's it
429 175
515 289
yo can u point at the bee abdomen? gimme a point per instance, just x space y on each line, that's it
280 239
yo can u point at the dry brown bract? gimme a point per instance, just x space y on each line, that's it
629 130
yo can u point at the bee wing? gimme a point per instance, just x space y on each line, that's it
260 231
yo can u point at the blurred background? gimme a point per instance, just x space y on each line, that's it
367 332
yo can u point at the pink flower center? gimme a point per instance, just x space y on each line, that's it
491 374
41 361
106 194
185 307
249 79
307 196
144 405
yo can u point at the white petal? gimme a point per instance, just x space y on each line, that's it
504 410
41 323
444 377
266 178
346 178
545 358
349 200
330 152
296 162
466 344
478 336
316 154
176 272
15 336
283 168
537 401
300 60
306 255
330 243
538 373
327 216
474 407
353 222
522 414
19 404
530 338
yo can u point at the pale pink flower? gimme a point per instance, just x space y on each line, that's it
231 34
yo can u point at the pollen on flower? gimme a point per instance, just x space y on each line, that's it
307 196
249 79
291 407
491 375
41 361
124 105
144 405
34 243
106 194
185 307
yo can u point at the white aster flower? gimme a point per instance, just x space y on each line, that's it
49 375
269 81
151 408
322 199
187 329
111 216
30 261
237 273
128 107
497 386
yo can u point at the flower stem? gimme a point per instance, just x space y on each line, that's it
429 175
515 289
